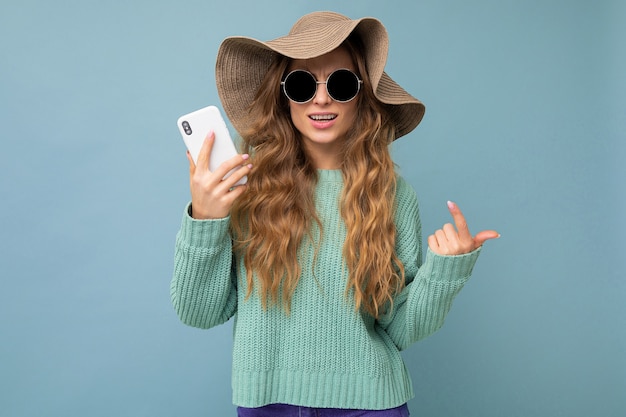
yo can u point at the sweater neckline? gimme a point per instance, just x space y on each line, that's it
330 175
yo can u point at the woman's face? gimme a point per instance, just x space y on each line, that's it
322 121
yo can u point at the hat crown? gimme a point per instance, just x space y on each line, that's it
315 20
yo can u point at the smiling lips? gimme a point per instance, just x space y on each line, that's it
322 118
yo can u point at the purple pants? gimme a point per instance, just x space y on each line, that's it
284 410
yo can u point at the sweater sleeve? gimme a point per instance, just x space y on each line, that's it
204 285
421 308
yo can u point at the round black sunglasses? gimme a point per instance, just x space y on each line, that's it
342 85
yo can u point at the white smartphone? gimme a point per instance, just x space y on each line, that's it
194 128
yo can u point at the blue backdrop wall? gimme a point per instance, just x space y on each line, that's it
524 129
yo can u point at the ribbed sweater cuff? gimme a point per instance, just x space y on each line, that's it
205 233
450 268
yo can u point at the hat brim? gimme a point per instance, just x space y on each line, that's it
242 63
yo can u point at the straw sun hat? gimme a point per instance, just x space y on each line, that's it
242 63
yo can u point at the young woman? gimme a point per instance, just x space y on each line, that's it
319 255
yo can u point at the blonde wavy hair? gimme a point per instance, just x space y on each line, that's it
270 220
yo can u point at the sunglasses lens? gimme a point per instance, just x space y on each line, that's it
343 85
300 86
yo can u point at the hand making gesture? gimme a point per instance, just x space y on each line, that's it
457 241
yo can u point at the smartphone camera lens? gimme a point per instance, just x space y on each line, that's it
187 128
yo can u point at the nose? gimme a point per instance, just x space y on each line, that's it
321 94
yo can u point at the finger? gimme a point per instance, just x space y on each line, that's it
230 164
485 235
192 165
453 242
460 222
433 244
442 241
205 152
449 231
235 192
235 176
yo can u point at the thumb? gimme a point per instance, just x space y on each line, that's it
485 235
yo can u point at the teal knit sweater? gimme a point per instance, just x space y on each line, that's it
324 353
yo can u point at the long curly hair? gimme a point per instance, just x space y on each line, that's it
270 220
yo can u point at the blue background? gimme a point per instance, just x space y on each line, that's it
524 129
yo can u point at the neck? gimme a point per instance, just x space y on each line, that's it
324 157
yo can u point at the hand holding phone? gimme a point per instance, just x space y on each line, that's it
194 128
213 159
